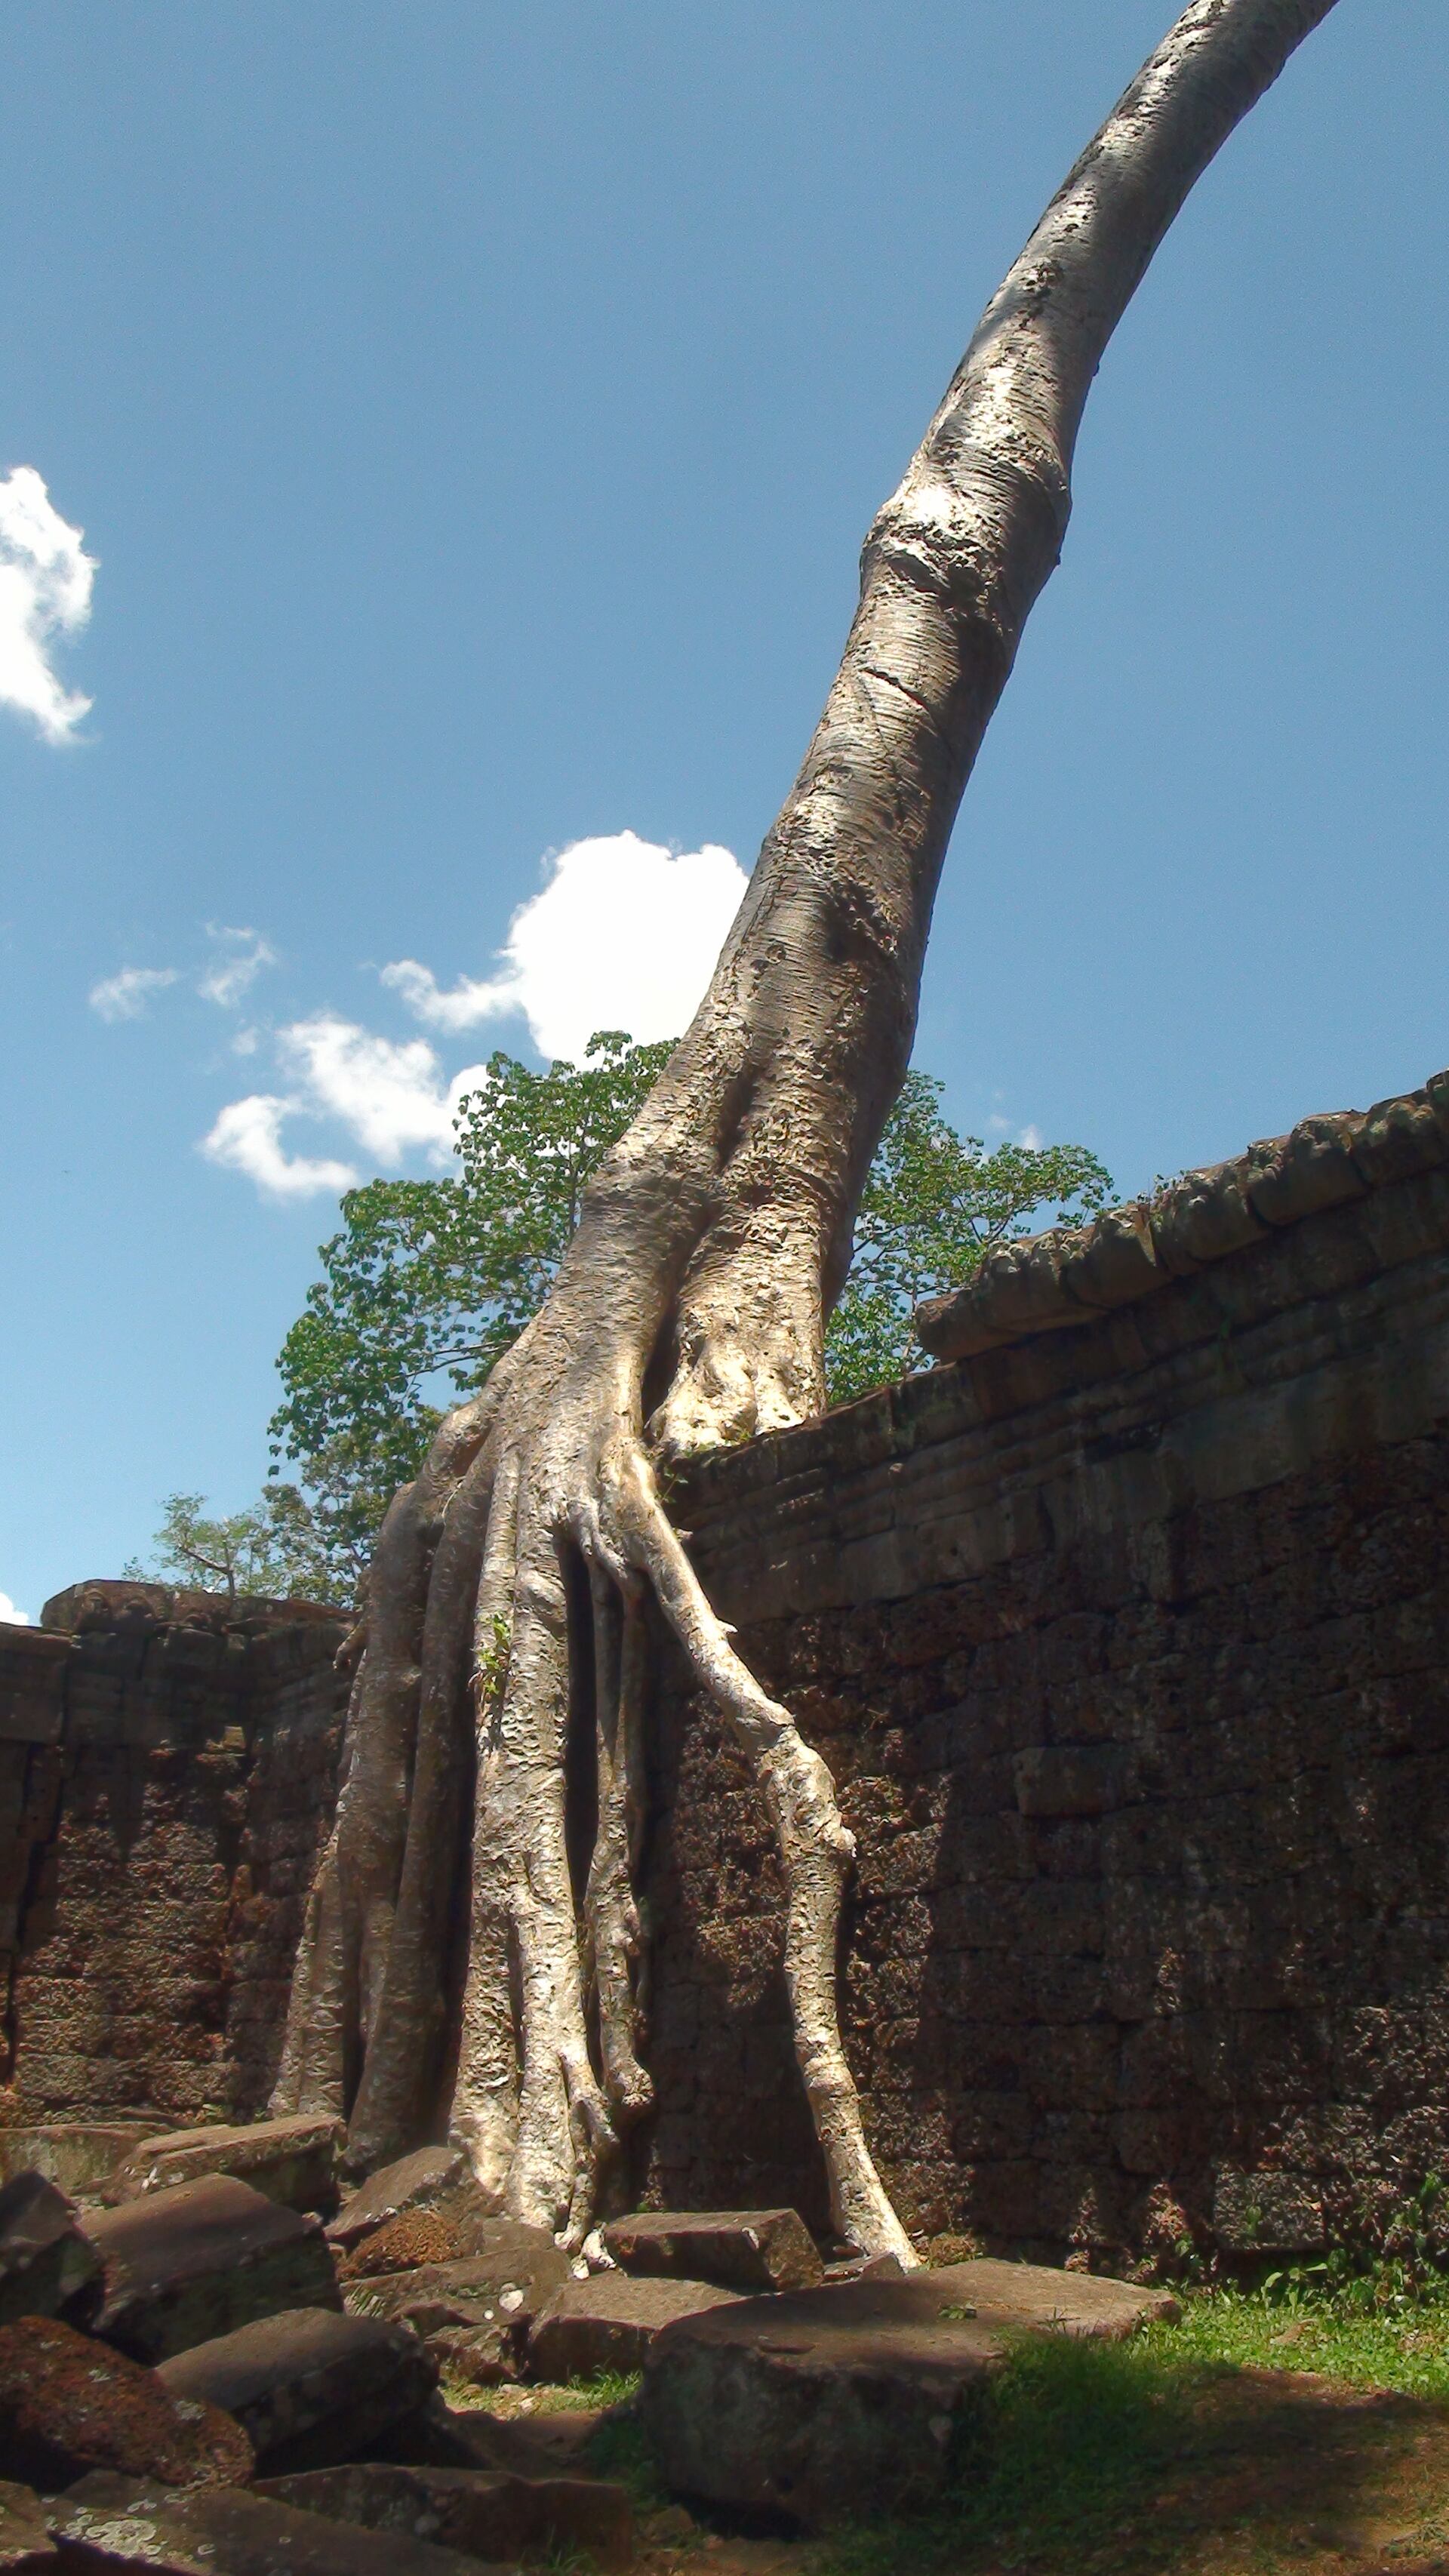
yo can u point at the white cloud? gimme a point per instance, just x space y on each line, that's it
392 1096
624 935
232 973
247 1138
8 1611
45 595
125 996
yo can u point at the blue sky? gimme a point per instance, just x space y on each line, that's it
473 415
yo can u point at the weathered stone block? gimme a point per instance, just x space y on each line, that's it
185 2265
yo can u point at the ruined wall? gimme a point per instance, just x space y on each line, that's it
1128 1644
1129 1649
167 1771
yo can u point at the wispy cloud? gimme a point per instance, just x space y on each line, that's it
393 1097
624 935
125 996
8 1611
46 578
247 1138
241 955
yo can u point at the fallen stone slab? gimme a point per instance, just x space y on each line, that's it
24 2540
738 2249
610 2321
456 2437
291 2161
76 2155
310 2388
48 2266
69 2405
129 2528
835 2403
493 2514
187 2264
455 2227
414 2182
482 2310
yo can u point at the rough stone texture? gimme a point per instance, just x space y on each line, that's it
48 2268
291 2161
477 2314
310 2388
833 2403
609 2323
417 2181
76 2155
167 1773
452 2228
1128 1647
494 2516
745 2249
24 2541
185 2265
69 2405
122 2525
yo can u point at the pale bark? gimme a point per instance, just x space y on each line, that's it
712 1243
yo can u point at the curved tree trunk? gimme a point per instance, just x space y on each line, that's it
713 1240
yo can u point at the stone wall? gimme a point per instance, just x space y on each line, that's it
1128 1646
1128 1643
167 1771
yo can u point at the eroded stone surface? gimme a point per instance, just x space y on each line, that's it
832 2403
291 2161
185 2265
494 2515
69 2404
740 2249
610 2321
413 2182
309 2387
123 2525
24 2541
485 2307
457 2225
48 2266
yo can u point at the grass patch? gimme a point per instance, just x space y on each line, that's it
1371 2330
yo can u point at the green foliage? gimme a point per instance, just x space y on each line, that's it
273 1550
933 1205
427 1283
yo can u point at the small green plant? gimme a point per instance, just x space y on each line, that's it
490 1672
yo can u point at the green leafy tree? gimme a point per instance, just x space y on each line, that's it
274 1549
934 1203
428 1282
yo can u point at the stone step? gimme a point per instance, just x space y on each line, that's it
126 2528
610 2321
195 2261
737 2249
841 2402
493 2514
310 2388
48 2266
69 2404
292 2161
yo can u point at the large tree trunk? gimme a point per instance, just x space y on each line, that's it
713 1241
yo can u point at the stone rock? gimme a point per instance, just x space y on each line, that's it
185 2265
414 2182
128 2528
493 2514
834 2403
452 2228
610 2321
24 2540
48 2267
76 2155
447 2437
290 2161
487 2305
738 2249
745 2250
310 2388
69 2405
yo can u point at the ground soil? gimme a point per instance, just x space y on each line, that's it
1282 2469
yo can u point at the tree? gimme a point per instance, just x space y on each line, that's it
932 1204
272 1549
689 1309
436 1279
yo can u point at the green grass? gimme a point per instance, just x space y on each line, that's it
1374 2332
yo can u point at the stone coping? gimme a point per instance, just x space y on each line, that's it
1046 1283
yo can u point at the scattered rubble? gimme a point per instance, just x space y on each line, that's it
741 2249
610 2321
69 2405
119 2524
195 2261
48 2267
414 2182
311 2388
493 2514
293 2162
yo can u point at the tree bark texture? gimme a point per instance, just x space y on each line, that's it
689 1311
